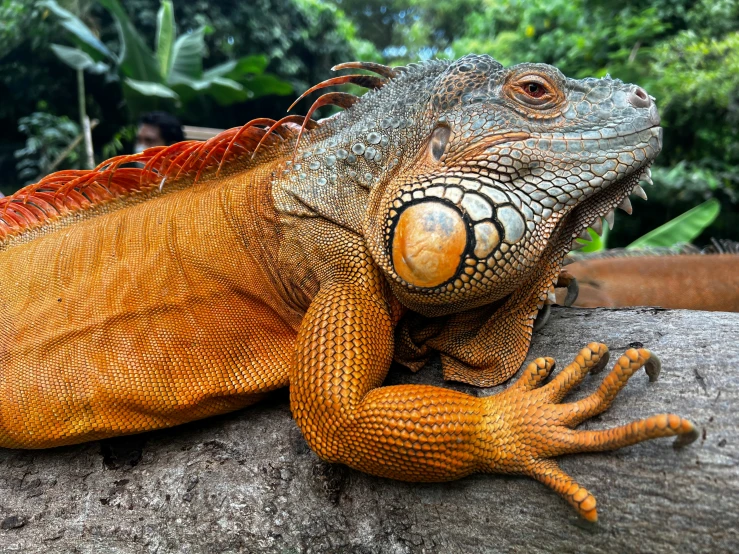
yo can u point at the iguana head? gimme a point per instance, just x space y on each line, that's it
479 172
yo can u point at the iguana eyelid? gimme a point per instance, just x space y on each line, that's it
515 90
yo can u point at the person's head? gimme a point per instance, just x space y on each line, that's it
157 129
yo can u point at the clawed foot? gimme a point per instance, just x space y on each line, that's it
568 281
528 426
564 280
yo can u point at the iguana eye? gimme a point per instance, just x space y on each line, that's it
535 90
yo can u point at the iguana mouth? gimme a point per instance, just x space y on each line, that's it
602 205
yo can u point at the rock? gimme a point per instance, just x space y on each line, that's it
12 522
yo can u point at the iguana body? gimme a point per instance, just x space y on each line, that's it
678 281
431 215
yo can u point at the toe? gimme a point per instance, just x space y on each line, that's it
663 425
549 473
534 374
589 358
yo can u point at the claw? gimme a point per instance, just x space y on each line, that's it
601 363
573 289
653 366
543 317
686 438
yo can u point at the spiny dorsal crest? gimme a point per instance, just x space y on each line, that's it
66 192
407 87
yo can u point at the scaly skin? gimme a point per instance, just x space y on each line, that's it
686 281
433 214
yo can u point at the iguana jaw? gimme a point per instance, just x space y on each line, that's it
445 231
602 205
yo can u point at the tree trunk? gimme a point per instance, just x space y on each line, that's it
247 482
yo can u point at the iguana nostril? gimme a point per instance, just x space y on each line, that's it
639 98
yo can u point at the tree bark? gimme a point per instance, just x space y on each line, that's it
247 482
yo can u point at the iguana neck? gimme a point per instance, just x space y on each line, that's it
337 168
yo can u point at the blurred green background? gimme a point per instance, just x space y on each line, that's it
219 63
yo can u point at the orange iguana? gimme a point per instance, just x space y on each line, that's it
685 278
432 215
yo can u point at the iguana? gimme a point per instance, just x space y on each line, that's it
432 214
677 278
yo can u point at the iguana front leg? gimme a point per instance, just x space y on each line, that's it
423 433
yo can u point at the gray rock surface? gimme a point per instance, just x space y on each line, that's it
247 482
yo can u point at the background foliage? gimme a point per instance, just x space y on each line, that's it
170 77
684 52
299 39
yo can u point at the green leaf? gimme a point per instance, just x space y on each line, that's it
597 242
684 228
78 59
253 65
75 26
220 70
135 60
226 91
260 85
188 55
165 38
240 70
149 88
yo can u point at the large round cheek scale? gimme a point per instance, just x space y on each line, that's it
429 241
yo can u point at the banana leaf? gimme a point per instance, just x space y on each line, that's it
684 228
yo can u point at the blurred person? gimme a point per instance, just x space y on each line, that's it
157 129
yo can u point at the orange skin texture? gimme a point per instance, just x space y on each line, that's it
135 315
111 332
689 282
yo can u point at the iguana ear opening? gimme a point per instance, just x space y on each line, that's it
439 142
